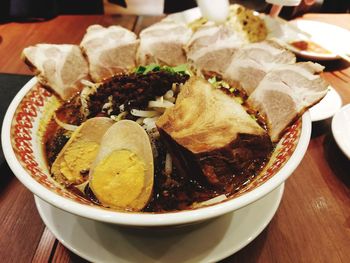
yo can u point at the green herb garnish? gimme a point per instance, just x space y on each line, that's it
150 68
140 69
212 81
180 69
239 100
219 84
253 117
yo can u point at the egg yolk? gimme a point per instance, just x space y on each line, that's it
118 180
76 158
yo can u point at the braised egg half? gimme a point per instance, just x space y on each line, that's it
72 164
122 175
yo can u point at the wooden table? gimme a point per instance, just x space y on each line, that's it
312 223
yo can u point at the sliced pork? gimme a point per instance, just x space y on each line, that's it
59 67
251 62
212 138
285 93
211 48
163 42
109 51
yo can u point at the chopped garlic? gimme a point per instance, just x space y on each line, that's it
160 104
119 117
169 94
212 201
66 126
144 113
168 165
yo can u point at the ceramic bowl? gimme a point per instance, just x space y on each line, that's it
22 133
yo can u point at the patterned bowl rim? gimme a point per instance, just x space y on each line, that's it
145 219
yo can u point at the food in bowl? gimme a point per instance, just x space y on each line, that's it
227 156
174 189
205 144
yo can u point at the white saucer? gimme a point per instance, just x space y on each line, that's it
328 36
341 129
324 34
327 107
206 242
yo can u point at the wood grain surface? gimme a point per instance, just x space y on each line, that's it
312 223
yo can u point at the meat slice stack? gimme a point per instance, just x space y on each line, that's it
210 134
59 67
251 62
285 93
109 51
163 43
211 47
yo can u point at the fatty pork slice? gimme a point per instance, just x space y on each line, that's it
211 47
59 67
251 62
286 93
212 138
109 51
163 42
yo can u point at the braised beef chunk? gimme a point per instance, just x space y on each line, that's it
230 167
182 188
221 171
132 91
202 177
213 140
70 111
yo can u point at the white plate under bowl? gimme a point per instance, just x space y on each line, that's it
206 242
341 129
327 107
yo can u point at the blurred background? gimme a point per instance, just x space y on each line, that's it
17 10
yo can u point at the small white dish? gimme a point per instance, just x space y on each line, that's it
206 242
327 107
328 36
341 129
322 34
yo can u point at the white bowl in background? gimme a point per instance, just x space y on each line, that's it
341 129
